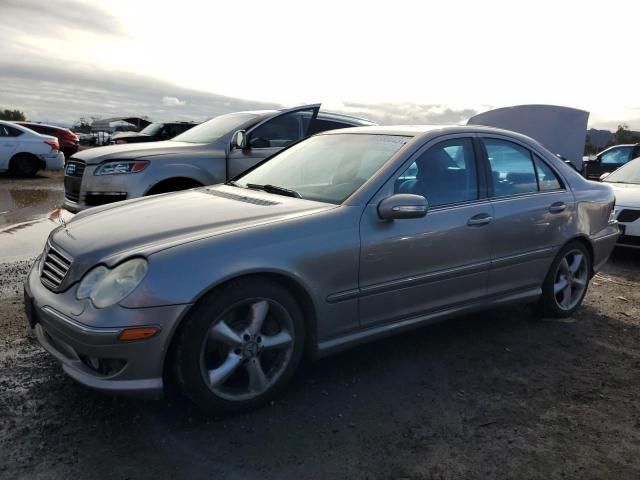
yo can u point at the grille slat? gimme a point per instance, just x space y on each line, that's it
73 172
54 268
628 216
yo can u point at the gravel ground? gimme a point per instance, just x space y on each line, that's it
494 395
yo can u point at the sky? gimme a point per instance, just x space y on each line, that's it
393 62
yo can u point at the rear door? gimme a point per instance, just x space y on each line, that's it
412 267
272 135
533 214
8 144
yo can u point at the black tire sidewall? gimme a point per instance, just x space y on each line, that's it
198 322
23 166
548 305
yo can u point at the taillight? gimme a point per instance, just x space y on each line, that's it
53 144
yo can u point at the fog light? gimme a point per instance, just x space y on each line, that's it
138 333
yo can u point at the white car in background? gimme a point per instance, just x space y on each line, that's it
626 186
24 152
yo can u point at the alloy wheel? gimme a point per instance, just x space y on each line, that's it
570 280
247 349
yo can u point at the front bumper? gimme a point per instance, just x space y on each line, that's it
84 339
629 220
89 190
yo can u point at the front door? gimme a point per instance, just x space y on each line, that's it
412 267
533 213
272 135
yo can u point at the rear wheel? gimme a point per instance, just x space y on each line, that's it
240 346
566 283
23 165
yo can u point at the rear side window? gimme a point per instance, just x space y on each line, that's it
7 131
547 179
512 168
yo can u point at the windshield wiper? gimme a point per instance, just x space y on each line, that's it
275 189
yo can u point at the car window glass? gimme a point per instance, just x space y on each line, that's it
616 156
277 133
320 125
511 168
547 179
327 168
7 131
444 174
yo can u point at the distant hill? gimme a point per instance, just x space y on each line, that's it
600 138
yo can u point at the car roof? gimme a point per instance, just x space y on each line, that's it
28 124
417 130
341 117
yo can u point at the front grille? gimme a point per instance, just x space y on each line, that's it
73 172
54 268
74 168
627 216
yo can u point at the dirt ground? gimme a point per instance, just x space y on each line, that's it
495 395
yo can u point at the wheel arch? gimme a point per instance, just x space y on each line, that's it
300 293
17 155
164 185
584 240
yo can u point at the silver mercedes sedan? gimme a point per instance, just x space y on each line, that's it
342 238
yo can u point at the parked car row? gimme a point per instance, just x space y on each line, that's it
209 153
341 238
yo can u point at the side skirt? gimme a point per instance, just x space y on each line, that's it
335 345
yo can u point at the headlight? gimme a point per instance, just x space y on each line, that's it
106 287
115 168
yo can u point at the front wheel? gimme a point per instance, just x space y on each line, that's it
566 283
240 346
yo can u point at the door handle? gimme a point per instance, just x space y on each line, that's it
558 207
480 219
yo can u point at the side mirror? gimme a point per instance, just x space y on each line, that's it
593 158
402 205
239 139
604 175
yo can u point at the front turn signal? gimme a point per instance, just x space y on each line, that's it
137 333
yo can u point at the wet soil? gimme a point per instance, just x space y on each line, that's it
493 395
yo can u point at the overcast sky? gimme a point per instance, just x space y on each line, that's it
395 62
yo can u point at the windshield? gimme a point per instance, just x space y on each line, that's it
326 168
152 129
215 128
630 173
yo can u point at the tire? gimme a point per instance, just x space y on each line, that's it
22 165
226 359
560 301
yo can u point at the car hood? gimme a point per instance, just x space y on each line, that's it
132 151
147 225
627 195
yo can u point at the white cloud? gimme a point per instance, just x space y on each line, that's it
172 101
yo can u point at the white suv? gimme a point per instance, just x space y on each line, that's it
23 152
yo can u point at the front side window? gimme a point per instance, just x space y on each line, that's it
616 156
444 174
277 133
326 168
512 168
